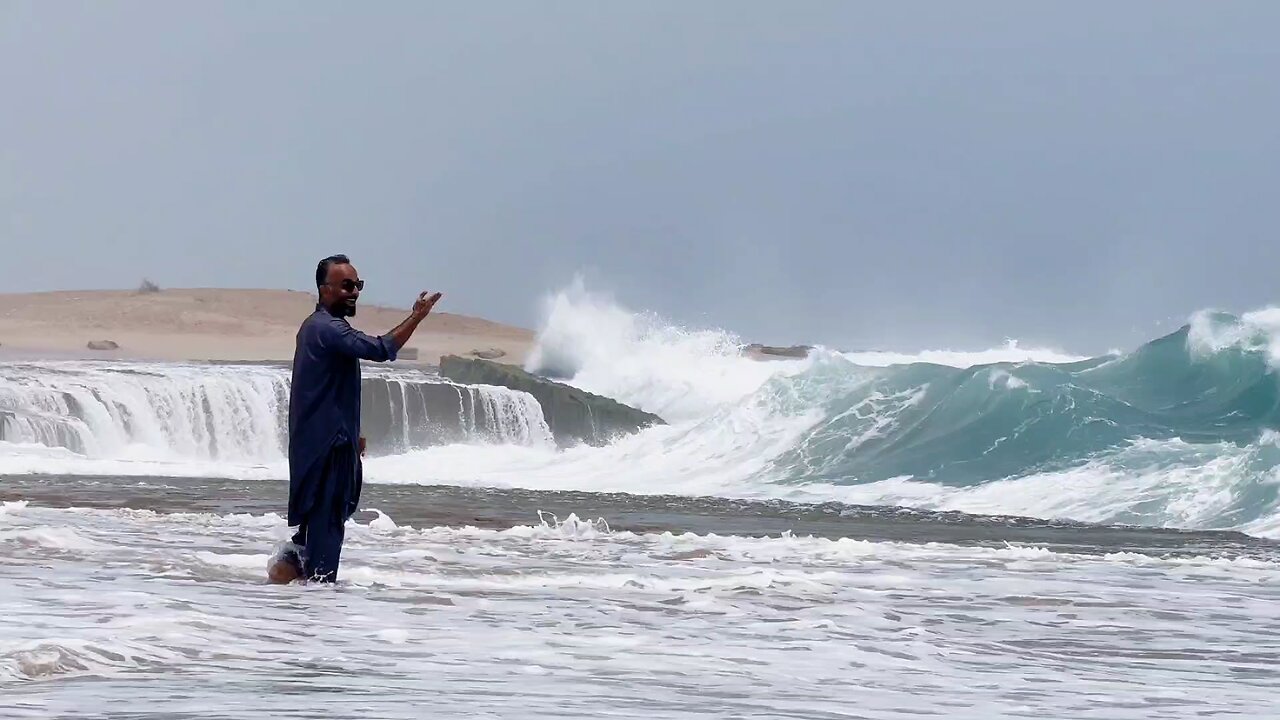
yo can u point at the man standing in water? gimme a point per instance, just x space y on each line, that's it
325 444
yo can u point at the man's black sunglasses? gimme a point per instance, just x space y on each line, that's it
348 285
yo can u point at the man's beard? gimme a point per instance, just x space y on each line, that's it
342 309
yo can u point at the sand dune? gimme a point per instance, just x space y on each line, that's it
215 324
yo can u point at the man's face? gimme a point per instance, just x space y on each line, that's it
341 290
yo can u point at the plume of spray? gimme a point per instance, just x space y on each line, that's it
592 342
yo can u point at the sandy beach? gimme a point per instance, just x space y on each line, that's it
217 324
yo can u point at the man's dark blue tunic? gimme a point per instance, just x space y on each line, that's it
324 430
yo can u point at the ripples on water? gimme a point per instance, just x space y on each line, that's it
137 613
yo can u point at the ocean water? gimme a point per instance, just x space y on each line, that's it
142 501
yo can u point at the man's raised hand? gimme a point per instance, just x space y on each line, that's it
426 301
401 333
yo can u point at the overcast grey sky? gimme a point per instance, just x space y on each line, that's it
890 174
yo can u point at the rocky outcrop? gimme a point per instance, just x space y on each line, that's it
574 416
396 417
103 345
757 351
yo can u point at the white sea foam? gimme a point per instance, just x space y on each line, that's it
1257 330
1011 352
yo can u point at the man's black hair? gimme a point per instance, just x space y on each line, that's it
322 270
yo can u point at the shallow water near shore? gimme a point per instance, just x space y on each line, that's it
129 598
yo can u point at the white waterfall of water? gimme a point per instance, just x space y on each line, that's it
230 413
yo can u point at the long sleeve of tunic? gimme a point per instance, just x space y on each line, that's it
324 408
